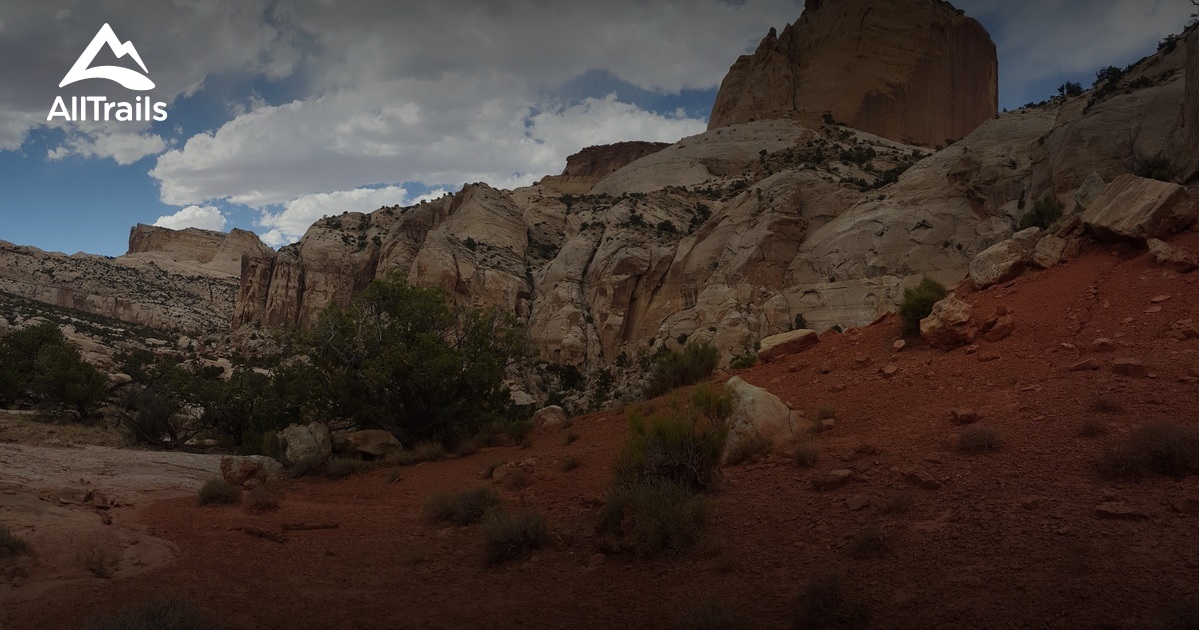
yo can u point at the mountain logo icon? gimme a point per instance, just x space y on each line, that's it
130 79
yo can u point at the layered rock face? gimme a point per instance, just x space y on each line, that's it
587 167
1191 103
193 249
915 71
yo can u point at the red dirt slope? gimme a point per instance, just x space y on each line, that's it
1010 539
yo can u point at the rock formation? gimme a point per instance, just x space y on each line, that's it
194 250
587 167
1191 102
915 71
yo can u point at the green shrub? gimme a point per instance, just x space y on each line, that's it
679 446
465 508
1047 210
423 452
975 440
12 545
217 491
101 561
675 368
159 614
509 535
825 604
1156 166
340 467
39 365
1166 449
657 516
518 430
716 405
918 303
744 361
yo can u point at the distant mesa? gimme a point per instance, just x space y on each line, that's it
587 167
913 71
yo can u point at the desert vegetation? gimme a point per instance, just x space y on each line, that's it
918 303
39 366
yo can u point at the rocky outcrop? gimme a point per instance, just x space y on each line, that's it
1137 208
369 443
306 445
587 167
194 250
916 71
128 288
1004 261
948 326
239 470
791 342
1191 105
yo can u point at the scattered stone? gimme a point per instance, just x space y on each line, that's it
861 360
899 345
1005 260
1103 344
837 389
827 367
1119 510
987 358
889 371
73 496
1048 252
832 479
1092 187
1160 298
1153 309
857 502
1180 259
549 417
964 416
1001 329
948 325
921 479
790 342
238 470
374 443
1132 368
971 349
826 424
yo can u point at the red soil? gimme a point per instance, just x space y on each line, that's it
1011 539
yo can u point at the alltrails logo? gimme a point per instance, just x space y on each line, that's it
101 109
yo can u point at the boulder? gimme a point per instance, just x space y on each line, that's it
787 343
549 417
1005 260
759 413
372 443
239 470
1048 252
948 326
306 445
1138 208
1092 187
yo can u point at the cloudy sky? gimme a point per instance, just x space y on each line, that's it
281 112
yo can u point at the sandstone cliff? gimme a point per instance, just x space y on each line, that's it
1191 103
916 71
194 250
587 167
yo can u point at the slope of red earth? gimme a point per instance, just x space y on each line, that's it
1011 539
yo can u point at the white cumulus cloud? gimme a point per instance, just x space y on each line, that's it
288 224
125 148
203 217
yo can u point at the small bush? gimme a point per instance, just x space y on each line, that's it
825 604
1166 449
267 496
160 614
570 463
806 455
713 404
1157 167
570 438
217 491
340 467
714 616
509 535
423 452
747 448
101 561
1044 213
657 516
519 430
679 446
976 440
465 508
743 361
12 545
675 368
918 303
